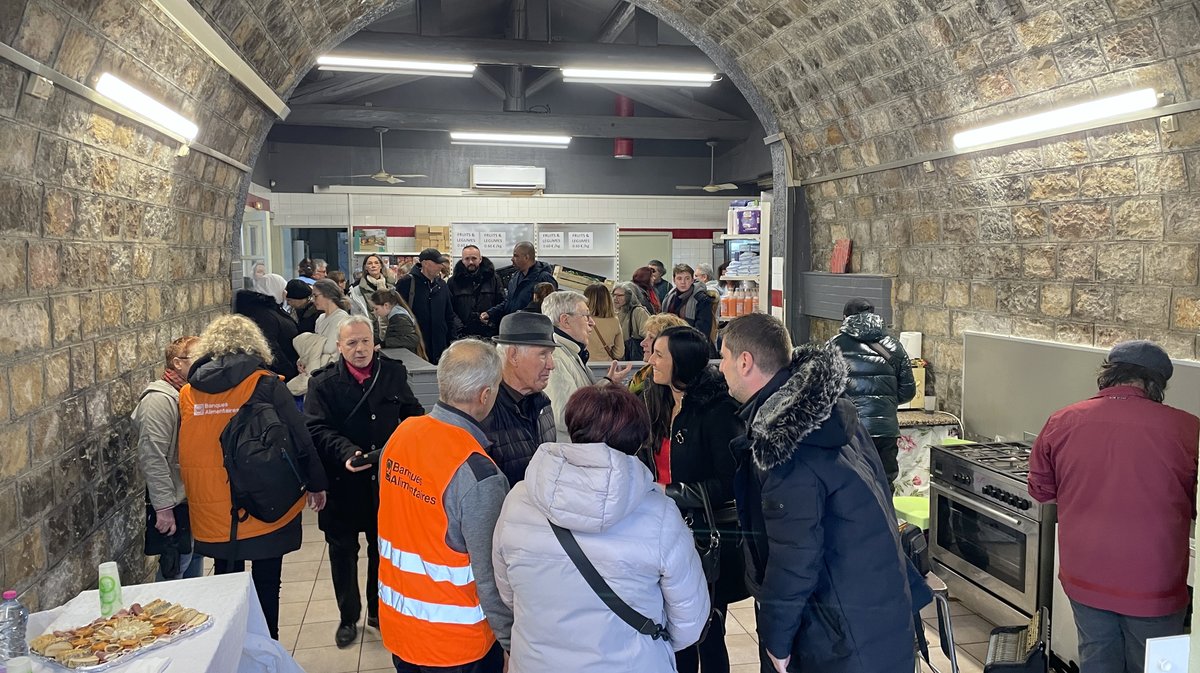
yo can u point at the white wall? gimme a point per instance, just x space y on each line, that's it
396 208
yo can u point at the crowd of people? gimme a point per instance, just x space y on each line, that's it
541 518
536 501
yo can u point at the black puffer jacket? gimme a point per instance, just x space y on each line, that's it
276 325
517 426
876 385
332 395
836 593
475 293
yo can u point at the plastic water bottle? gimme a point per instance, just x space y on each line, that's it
13 617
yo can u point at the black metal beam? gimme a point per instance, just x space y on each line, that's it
350 87
616 22
584 126
670 102
521 52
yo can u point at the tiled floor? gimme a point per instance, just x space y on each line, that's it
308 618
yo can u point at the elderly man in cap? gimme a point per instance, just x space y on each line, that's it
429 298
522 419
299 300
1122 468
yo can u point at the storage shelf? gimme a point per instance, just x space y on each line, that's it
754 278
741 237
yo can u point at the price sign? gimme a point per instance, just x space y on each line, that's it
494 240
550 240
464 238
581 240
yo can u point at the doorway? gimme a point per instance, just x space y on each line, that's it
639 247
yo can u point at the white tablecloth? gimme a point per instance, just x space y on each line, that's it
238 639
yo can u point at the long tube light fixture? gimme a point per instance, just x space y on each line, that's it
648 77
1079 115
509 139
380 65
134 100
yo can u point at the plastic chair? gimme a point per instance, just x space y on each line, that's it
941 599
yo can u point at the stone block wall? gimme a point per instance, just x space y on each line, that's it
112 247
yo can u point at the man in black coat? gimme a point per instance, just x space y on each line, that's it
529 273
833 590
276 326
429 298
474 288
881 377
299 299
352 407
522 419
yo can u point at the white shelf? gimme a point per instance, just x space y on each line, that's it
741 237
753 278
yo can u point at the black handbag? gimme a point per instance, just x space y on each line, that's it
640 623
633 345
710 549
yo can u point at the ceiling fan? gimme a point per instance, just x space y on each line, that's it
382 175
710 187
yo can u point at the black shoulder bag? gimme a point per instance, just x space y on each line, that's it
641 623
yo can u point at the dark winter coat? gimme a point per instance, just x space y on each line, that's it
430 301
823 551
475 293
517 426
520 290
224 373
701 457
877 385
276 325
332 395
701 311
306 319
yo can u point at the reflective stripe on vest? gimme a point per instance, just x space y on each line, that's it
459 576
429 612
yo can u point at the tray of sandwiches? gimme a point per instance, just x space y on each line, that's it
110 641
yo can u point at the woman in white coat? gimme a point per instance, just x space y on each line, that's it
596 488
319 349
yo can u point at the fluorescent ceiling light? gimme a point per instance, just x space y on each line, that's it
121 93
655 77
509 139
1082 114
349 64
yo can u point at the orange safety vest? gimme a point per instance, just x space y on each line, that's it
202 419
429 610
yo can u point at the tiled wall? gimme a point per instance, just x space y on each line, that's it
397 210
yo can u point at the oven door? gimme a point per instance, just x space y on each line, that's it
994 549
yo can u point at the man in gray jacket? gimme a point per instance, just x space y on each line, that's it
156 420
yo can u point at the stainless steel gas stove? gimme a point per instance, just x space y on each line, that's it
992 543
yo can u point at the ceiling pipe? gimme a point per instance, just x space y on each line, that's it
518 29
623 147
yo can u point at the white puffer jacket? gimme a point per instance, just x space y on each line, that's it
630 531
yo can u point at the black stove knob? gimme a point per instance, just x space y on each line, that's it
989 490
1025 504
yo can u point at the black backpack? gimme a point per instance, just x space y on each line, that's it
264 473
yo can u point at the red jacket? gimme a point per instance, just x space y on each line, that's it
1123 470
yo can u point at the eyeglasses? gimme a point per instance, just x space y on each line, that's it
587 316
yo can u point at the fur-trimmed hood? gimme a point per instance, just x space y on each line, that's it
483 274
800 407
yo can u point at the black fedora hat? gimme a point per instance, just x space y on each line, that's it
526 329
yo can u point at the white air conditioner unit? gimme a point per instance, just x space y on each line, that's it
508 178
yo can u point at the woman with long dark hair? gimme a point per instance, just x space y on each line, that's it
374 278
642 280
692 421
